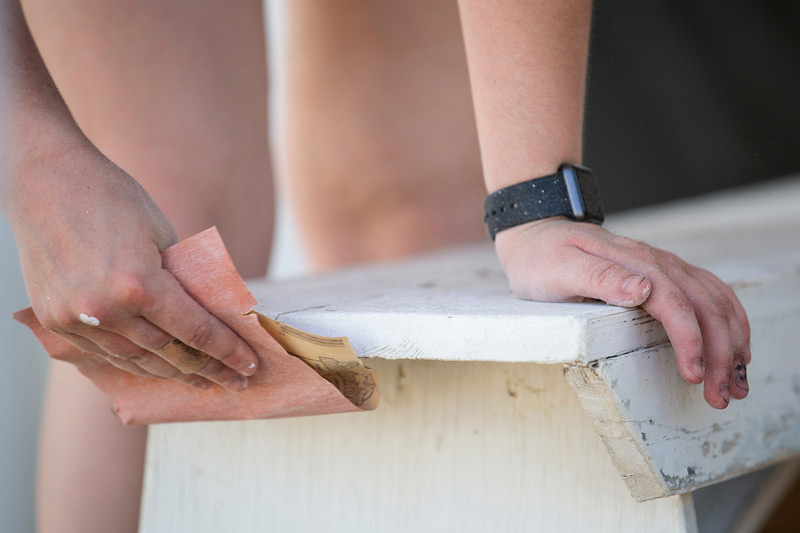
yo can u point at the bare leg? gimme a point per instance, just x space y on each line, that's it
175 93
90 465
382 147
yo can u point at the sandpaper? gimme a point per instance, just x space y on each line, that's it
299 373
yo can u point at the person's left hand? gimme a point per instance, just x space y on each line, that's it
557 260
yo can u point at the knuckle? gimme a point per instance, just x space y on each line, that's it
729 308
724 367
51 321
694 344
61 318
673 264
629 244
670 263
646 253
691 347
217 372
130 289
684 307
140 359
201 335
721 310
602 274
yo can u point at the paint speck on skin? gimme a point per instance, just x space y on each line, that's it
89 320
251 366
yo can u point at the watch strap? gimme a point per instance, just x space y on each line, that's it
574 196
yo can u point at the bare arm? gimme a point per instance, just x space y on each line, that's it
90 237
527 65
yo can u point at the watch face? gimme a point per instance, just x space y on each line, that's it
590 192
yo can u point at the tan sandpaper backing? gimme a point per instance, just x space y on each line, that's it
284 385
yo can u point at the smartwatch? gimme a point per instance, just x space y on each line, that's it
571 192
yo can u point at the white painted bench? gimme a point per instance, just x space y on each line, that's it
478 429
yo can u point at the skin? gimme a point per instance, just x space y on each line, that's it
397 147
405 165
529 110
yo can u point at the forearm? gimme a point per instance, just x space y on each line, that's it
34 120
527 63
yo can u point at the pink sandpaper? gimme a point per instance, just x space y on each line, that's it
283 386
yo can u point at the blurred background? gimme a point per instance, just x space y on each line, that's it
684 98
688 97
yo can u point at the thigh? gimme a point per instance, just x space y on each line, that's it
174 92
382 147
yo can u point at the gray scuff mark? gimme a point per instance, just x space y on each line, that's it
706 448
729 444
301 310
680 483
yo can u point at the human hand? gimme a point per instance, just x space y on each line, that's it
557 260
90 240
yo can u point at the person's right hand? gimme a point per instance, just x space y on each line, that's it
90 239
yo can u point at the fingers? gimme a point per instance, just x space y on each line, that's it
702 317
127 356
723 339
741 316
721 323
718 353
614 284
705 322
181 317
675 312
161 330
569 274
139 342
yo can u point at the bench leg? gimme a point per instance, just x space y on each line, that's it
453 447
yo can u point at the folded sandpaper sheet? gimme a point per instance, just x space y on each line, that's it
299 373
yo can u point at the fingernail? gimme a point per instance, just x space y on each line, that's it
201 384
632 283
740 376
725 393
247 369
237 384
698 368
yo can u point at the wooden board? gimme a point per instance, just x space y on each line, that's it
456 305
465 446
453 306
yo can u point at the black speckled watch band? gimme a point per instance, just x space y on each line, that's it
570 192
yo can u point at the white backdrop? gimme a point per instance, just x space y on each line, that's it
24 371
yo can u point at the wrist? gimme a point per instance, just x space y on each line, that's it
571 192
33 134
33 169
511 240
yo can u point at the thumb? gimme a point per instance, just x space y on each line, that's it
612 283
